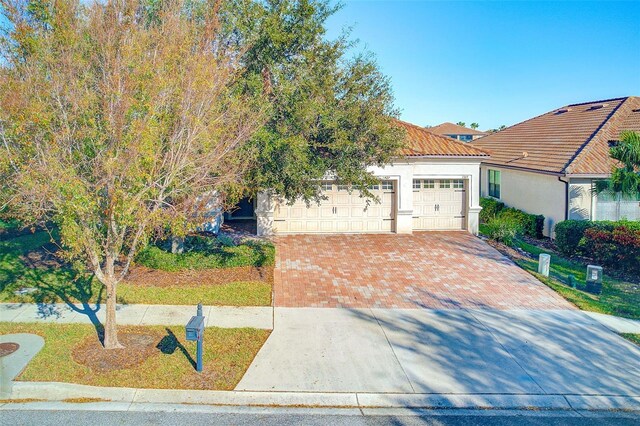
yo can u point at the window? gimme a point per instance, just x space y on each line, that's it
343 187
429 184
326 186
494 183
458 183
387 184
416 184
446 183
374 187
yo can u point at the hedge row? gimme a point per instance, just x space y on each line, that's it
614 244
530 224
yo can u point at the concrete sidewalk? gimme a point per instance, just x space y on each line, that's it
417 351
216 316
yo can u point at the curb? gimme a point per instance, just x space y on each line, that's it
51 391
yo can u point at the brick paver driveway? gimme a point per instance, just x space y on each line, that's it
435 270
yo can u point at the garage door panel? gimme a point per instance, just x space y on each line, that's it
439 205
340 211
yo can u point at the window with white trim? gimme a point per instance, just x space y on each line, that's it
429 184
343 187
374 187
326 186
494 183
445 183
417 184
458 183
387 184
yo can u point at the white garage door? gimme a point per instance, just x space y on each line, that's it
439 204
340 212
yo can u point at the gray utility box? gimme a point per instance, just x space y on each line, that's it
195 327
594 279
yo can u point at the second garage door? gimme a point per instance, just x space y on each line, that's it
340 212
439 204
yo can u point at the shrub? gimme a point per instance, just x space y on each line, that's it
504 229
212 256
531 224
618 248
570 233
490 209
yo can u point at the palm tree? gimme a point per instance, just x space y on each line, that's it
625 179
461 123
474 126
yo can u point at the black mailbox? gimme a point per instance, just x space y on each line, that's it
195 327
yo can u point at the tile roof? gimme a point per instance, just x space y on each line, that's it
453 129
573 139
421 142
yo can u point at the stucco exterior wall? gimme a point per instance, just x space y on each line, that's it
402 172
533 193
581 199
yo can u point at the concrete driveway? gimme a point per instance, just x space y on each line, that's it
434 270
419 351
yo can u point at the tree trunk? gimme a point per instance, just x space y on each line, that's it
110 327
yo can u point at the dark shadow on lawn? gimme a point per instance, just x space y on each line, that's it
170 343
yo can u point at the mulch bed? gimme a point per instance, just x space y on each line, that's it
137 347
143 276
7 348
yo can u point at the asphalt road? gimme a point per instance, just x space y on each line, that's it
467 418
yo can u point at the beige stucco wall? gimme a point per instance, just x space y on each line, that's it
581 199
533 193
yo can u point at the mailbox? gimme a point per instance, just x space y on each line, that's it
195 327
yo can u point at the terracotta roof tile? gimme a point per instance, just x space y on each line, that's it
453 129
572 139
421 142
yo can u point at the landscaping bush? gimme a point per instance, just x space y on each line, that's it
212 255
618 248
570 233
531 224
490 209
504 229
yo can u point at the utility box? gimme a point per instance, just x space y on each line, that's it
594 279
544 261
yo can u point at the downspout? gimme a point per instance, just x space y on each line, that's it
566 197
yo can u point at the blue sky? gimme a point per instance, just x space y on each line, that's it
496 62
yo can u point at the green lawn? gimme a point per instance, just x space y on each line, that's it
227 355
635 338
618 297
63 284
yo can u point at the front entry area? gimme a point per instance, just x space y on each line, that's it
342 211
439 204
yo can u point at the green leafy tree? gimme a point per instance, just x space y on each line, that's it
461 123
625 179
474 126
329 114
118 118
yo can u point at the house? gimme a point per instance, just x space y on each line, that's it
548 164
433 185
456 132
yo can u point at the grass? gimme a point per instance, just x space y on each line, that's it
635 338
251 293
227 355
63 284
248 254
620 298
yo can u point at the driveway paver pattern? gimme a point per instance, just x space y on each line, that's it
431 270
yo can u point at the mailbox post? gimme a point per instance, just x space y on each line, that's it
195 331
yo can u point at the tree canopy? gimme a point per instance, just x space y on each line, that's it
328 112
625 179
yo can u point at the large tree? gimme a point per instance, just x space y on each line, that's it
329 112
118 118
625 178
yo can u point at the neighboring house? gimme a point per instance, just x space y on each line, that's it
456 132
548 165
434 185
